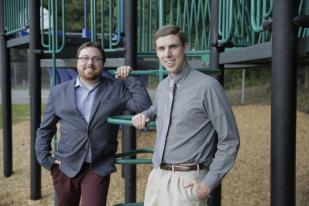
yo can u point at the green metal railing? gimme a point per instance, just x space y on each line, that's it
146 24
126 120
109 11
156 72
54 29
192 16
53 26
303 10
261 10
243 34
120 160
226 21
104 18
240 21
16 16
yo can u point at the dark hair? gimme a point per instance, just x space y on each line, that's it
94 45
168 30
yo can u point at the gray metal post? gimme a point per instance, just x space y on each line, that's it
306 11
215 199
129 133
283 103
35 93
6 98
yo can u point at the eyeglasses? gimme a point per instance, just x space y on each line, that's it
94 59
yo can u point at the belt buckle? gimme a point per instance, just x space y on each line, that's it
183 167
180 167
165 166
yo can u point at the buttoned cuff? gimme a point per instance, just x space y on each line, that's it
49 162
211 181
148 114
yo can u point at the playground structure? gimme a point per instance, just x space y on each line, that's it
223 34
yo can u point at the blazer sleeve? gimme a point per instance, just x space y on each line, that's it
45 134
134 95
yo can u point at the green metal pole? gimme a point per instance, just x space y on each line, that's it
93 12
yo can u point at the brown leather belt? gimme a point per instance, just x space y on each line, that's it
182 167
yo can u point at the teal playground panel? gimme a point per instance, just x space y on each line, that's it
127 120
240 21
16 16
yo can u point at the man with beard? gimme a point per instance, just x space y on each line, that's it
85 156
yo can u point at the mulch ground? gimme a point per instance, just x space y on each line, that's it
246 185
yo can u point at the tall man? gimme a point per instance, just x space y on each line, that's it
197 137
85 158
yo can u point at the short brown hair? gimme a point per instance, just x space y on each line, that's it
92 44
168 30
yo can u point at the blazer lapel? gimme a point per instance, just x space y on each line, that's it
72 99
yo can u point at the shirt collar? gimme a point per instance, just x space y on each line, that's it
78 83
178 78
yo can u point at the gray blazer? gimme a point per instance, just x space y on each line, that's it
112 98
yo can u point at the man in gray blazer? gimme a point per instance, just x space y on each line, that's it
85 156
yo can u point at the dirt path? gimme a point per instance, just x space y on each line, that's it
246 185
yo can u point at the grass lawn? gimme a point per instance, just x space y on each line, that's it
20 112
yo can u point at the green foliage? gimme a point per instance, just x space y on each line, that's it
74 15
303 98
20 112
153 82
254 77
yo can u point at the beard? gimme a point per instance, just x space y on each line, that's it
91 75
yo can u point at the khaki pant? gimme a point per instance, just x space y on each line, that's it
166 188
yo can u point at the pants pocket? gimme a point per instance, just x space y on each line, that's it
191 193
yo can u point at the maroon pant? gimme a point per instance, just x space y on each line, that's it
88 186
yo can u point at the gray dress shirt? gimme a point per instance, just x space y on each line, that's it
202 128
84 101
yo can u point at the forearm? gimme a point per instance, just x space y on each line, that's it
45 134
43 149
226 149
223 122
220 166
